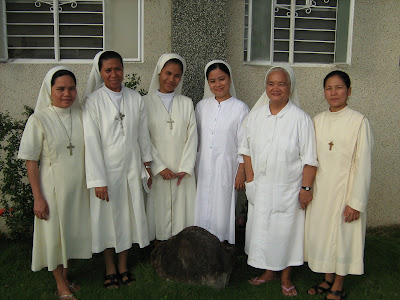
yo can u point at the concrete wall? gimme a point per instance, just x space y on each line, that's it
374 72
375 91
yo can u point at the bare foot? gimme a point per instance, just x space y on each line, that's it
265 277
288 288
336 295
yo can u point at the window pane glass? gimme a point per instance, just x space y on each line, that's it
31 53
261 30
78 53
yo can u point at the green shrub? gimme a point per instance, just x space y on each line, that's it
16 199
133 82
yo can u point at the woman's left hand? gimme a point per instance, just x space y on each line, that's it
350 214
239 180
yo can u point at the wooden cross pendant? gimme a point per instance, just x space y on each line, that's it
70 147
330 145
170 123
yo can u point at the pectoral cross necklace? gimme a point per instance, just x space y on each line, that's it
70 146
330 145
121 116
170 123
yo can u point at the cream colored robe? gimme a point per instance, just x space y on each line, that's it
170 208
115 160
66 234
343 178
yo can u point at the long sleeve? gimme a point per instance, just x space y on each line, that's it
144 136
362 164
94 159
189 153
241 130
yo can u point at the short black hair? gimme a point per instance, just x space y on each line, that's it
343 75
174 61
109 55
221 66
60 73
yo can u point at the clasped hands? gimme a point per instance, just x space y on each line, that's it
167 174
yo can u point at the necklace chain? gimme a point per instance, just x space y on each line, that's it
70 146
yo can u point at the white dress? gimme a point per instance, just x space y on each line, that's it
114 158
220 132
343 178
66 234
279 146
170 208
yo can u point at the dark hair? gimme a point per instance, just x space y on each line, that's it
109 55
60 73
221 66
174 61
343 75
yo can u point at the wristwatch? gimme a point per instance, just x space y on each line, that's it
307 188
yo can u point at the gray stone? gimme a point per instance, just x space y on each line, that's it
194 256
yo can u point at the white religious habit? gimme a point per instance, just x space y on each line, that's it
170 208
344 146
220 133
54 136
279 146
117 143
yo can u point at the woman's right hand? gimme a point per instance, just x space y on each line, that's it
41 208
167 174
102 193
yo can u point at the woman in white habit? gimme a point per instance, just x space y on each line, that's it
53 136
219 168
280 163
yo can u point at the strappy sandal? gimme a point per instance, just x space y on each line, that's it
129 280
342 294
113 284
320 289
74 287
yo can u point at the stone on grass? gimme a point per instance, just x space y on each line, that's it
194 256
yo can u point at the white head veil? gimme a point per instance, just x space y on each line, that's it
294 97
155 81
207 91
95 81
44 97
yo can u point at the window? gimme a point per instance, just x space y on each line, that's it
298 31
56 30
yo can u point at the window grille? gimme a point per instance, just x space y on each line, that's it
298 31
54 29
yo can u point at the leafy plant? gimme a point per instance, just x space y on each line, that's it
16 197
133 82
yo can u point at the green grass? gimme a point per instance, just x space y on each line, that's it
380 281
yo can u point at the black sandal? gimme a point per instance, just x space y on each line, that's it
113 284
342 294
129 279
320 289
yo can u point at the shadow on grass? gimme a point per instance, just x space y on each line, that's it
380 281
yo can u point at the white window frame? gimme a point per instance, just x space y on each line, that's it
3 36
248 38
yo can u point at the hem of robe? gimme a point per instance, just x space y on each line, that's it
275 268
101 249
51 266
219 237
336 268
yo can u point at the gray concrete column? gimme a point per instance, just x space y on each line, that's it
199 31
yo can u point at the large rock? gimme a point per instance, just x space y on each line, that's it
194 256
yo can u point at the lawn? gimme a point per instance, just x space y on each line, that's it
380 281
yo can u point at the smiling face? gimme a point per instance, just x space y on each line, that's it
278 87
219 83
112 73
336 93
63 91
169 77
